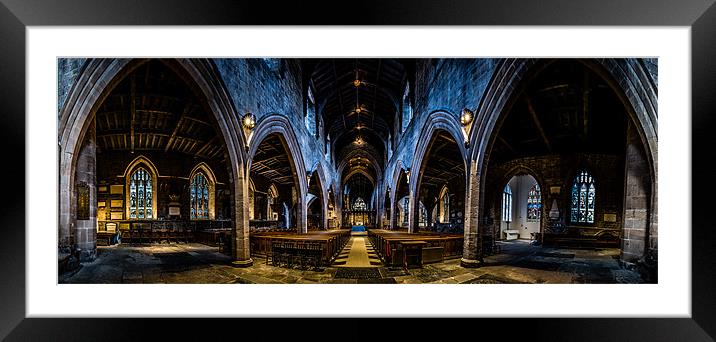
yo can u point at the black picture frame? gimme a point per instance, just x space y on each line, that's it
699 15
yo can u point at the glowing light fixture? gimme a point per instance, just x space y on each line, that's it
249 120
466 117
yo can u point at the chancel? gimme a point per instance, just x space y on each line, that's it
357 170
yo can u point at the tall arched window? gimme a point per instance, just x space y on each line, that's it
507 204
423 215
199 194
310 119
583 193
359 204
407 109
444 205
405 209
140 195
534 203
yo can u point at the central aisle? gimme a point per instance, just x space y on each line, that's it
357 254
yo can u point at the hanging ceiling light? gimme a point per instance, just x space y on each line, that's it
357 81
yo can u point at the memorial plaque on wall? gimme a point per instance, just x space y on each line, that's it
116 189
610 217
116 203
82 201
174 211
116 215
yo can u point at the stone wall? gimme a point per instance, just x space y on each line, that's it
555 174
449 85
67 71
174 179
267 86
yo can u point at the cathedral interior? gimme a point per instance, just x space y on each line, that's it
357 170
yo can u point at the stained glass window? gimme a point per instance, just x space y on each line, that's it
446 208
359 204
199 194
534 203
140 195
507 204
583 194
423 218
405 210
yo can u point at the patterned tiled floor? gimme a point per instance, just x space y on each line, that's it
196 263
358 252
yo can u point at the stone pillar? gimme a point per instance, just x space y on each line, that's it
241 247
472 248
393 214
302 216
412 212
84 198
637 197
65 221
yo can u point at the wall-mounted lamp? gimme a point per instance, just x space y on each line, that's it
249 120
466 117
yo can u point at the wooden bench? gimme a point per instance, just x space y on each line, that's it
331 243
437 247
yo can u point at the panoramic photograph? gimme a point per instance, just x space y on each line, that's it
357 170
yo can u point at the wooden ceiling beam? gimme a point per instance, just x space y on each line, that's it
176 128
132 110
504 142
537 123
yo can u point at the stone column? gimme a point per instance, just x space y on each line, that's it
472 248
241 248
637 195
85 195
302 216
412 212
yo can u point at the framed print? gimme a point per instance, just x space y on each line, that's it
465 131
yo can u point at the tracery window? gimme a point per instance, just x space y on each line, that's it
140 194
359 204
507 204
534 203
405 209
423 212
583 198
199 194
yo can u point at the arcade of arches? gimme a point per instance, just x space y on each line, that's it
359 170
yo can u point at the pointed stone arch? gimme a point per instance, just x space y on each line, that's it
280 125
97 78
627 77
437 121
